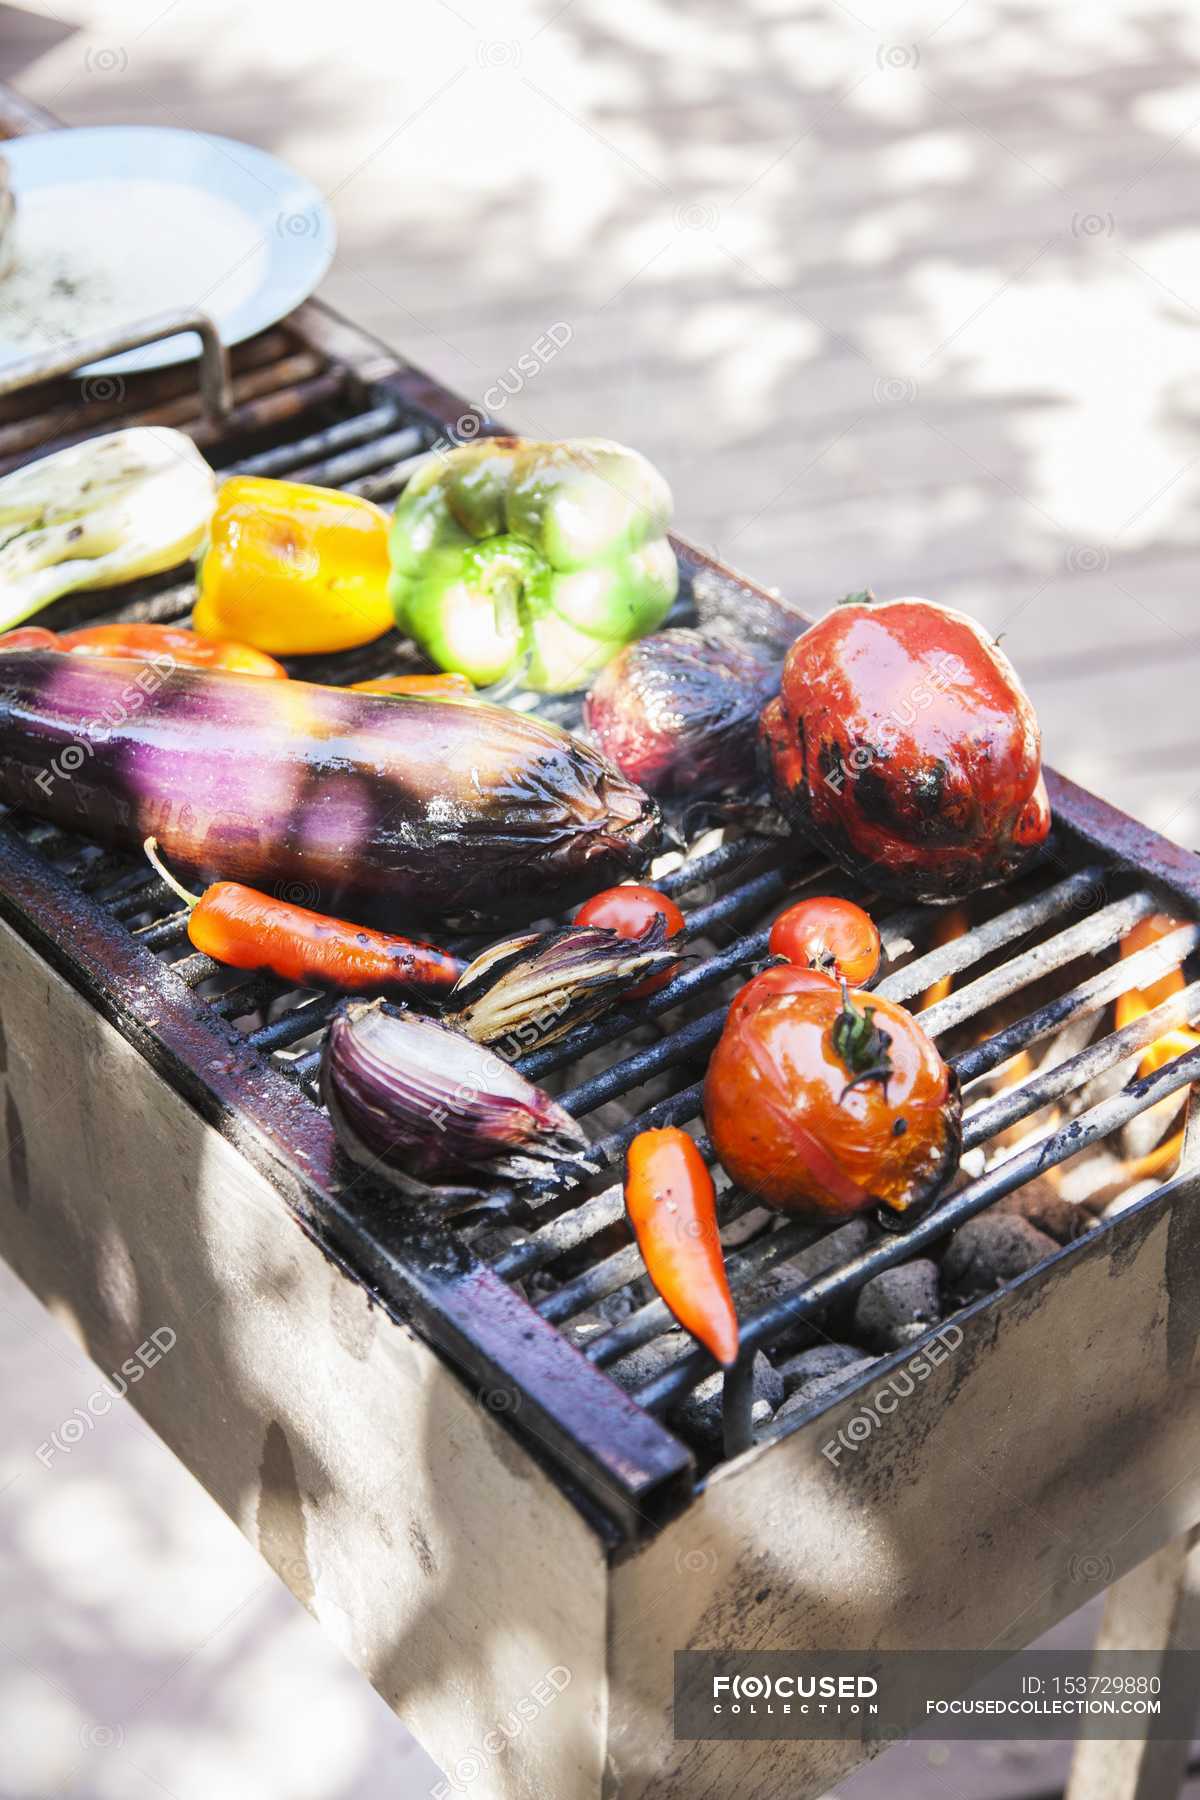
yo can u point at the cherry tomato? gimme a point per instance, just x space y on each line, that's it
828 934
630 911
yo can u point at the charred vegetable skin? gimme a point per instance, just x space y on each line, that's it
824 1101
902 742
678 712
530 991
384 809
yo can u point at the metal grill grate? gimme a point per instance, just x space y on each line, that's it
1036 963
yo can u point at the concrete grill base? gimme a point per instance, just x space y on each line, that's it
1054 1449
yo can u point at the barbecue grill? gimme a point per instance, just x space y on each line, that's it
476 1449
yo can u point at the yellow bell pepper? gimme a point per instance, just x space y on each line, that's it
292 569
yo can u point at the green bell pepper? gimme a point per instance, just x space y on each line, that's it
505 549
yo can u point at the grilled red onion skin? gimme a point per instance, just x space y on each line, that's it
382 808
533 990
412 1095
678 712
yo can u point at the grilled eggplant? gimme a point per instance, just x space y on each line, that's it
394 807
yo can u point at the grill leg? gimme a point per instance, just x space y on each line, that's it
1156 1606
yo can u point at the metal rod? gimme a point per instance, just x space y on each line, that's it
294 1025
215 389
1028 1097
650 1321
1003 1179
737 1405
1084 939
389 482
1132 971
339 471
303 451
972 946
707 867
194 969
623 1266
690 1040
565 1233
164 932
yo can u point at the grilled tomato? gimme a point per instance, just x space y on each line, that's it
630 911
903 744
830 934
824 1101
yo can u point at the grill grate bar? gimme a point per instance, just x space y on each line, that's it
386 485
1028 1097
690 1040
197 967
299 453
143 891
1132 971
294 1025
1016 922
622 1266
719 861
650 1321
1108 1116
340 471
1090 935
247 993
164 934
573 1227
553 1238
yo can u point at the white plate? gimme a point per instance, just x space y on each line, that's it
115 222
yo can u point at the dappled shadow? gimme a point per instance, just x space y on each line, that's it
919 314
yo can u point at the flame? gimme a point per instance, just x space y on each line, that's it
1135 1005
1139 1001
952 923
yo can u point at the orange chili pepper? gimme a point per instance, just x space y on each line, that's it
28 637
176 641
672 1206
449 686
244 929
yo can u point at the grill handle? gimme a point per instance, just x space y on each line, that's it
216 392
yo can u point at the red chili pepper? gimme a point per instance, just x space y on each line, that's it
672 1205
630 911
28 637
828 934
449 686
142 641
244 929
